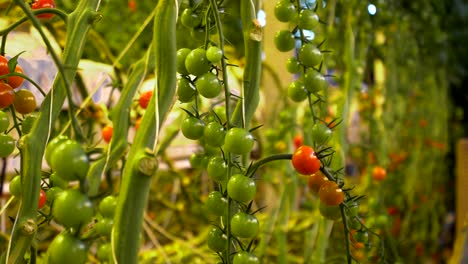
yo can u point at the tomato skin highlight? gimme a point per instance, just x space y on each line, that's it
305 161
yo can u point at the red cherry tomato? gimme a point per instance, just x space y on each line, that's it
4 65
42 199
39 4
16 81
298 140
106 133
379 173
7 95
144 99
305 161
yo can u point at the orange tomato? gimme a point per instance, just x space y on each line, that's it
379 173
330 194
315 181
106 133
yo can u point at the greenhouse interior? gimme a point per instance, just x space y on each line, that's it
234 131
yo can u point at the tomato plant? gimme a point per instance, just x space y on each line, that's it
107 206
214 54
305 161
297 91
217 169
214 134
216 239
185 90
310 55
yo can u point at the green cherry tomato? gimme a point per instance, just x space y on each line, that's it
185 90
69 160
292 65
314 81
284 40
25 102
216 204
241 188
52 193
244 225
217 169
216 239
15 186
214 134
58 181
308 19
220 112
72 208
107 206
104 252
192 127
4 121
238 141
181 56
66 248
310 55
244 257
208 85
7 145
196 62
52 146
285 11
28 122
297 91
330 212
214 54
321 133
190 19
198 160
104 226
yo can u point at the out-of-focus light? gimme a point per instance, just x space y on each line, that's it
308 34
261 17
372 9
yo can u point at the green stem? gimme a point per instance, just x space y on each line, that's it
349 257
265 160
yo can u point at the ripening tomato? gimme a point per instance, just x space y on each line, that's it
24 102
315 181
331 194
7 95
379 173
144 99
39 4
106 133
42 199
305 161
330 212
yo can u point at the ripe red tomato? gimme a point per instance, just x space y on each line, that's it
39 4
106 133
42 199
330 194
315 181
16 81
144 99
7 95
298 140
305 161
379 173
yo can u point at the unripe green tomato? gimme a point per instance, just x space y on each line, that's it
220 112
52 146
244 225
107 206
285 11
192 127
190 19
28 122
238 141
292 65
185 90
72 208
314 81
308 19
52 193
104 252
58 181
297 91
330 212
321 133
310 55
214 134
66 248
217 169
241 188
196 62
361 236
4 121
104 226
15 186
216 204
284 40
214 54
69 160
7 145
198 160
181 56
208 85
216 239
244 257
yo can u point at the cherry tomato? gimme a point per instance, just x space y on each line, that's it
4 121
214 134
52 193
199 160
4 69
241 188
196 62
315 181
361 236
107 206
24 102
192 127
238 141
330 212
214 54
308 19
298 140
106 133
284 40
66 248
217 169
39 4
7 145
42 199
244 257
305 161
330 194
244 225
285 11
216 240
15 186
104 252
297 91
52 146
104 226
144 99
69 160
379 173
132 5
7 95
16 81
181 56
314 81
321 133
309 55
292 65
208 85
185 90
216 204
190 19
72 208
